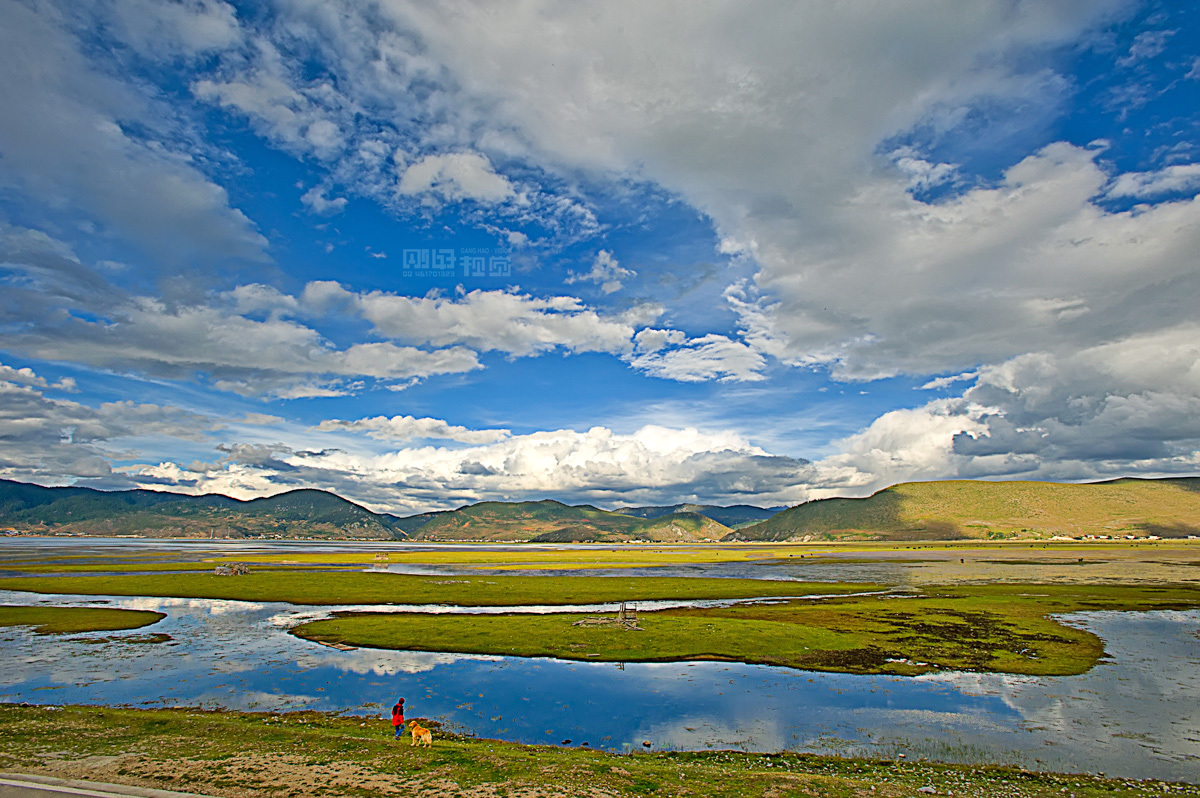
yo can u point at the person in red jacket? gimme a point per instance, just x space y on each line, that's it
398 718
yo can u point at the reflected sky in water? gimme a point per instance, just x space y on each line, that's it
1132 716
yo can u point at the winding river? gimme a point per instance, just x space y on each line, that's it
1134 715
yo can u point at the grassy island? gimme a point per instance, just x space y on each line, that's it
337 587
68 620
993 628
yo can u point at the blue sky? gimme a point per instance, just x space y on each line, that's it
745 252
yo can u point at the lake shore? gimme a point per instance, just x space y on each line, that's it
239 754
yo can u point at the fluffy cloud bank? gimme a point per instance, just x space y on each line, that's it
1105 411
69 312
405 428
67 141
513 323
256 340
782 136
777 136
1032 264
51 440
1062 311
651 465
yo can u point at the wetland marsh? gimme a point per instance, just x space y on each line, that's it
989 698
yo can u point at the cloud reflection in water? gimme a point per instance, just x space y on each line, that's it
1129 716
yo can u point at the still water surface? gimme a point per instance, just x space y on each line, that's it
1136 715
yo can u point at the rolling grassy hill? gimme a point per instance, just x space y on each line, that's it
682 527
316 514
411 523
965 509
733 516
549 521
297 513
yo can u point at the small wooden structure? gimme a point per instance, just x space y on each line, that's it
381 557
626 619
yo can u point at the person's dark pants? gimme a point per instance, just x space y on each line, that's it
399 730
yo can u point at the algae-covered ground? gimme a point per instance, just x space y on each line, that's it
302 754
68 620
323 587
994 628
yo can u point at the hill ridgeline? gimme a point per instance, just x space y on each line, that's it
970 509
951 510
307 513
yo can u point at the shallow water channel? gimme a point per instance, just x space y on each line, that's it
1134 715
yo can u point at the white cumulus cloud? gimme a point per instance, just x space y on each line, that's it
653 464
709 357
316 201
605 271
405 428
1179 178
456 176
508 321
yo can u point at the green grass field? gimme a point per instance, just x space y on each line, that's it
514 521
533 557
68 620
992 628
238 754
84 568
328 587
606 557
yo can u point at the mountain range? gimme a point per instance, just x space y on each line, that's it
311 513
948 510
149 513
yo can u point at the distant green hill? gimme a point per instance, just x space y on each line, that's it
411 523
965 509
316 508
732 516
319 514
550 521
682 527
297 513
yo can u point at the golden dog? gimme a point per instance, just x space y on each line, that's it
421 735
